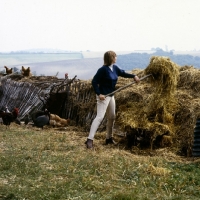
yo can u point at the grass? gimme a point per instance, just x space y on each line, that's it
55 164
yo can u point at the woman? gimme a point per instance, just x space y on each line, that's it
104 83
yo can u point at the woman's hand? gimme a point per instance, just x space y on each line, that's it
102 97
136 79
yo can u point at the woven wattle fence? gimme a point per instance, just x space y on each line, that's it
71 99
21 95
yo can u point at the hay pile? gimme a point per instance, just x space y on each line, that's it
161 111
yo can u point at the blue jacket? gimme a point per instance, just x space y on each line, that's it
105 79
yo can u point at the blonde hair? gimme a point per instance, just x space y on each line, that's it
109 57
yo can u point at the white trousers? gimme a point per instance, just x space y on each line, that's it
107 107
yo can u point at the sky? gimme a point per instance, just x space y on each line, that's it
99 25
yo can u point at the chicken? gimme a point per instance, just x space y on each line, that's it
37 114
57 121
26 119
17 121
6 110
9 117
8 71
26 72
41 118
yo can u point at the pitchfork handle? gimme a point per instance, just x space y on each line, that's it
126 85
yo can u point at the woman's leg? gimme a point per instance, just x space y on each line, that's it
110 118
101 110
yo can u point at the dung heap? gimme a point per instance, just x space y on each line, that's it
161 111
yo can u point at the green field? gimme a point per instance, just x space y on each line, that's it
26 58
54 164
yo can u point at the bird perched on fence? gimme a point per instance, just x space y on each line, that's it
8 70
26 72
41 118
9 117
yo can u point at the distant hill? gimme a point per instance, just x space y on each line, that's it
85 64
141 60
83 68
41 50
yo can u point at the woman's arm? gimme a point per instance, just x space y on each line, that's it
96 80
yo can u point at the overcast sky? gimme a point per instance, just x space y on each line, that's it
99 25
